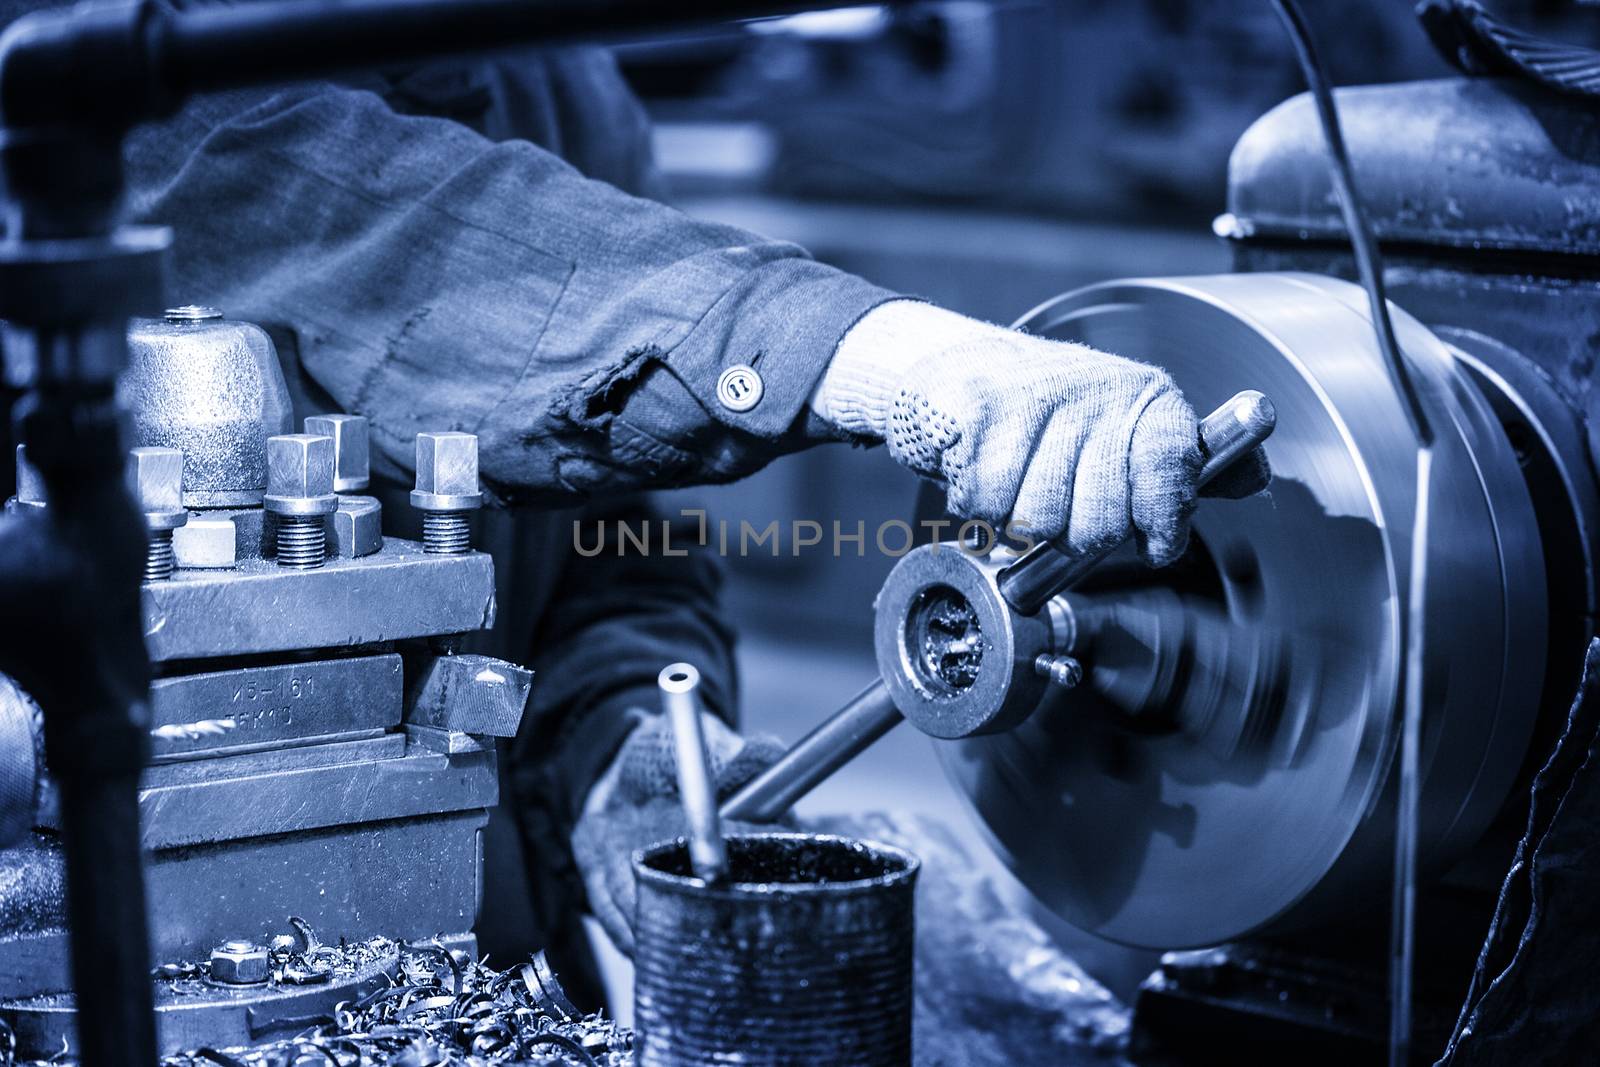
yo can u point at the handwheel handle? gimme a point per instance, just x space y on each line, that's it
1047 569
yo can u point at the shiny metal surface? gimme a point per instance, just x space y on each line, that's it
197 1013
395 593
447 472
206 542
300 475
1162 838
294 800
249 708
30 484
470 694
352 468
214 389
353 746
697 793
356 527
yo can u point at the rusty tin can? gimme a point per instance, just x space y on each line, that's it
803 956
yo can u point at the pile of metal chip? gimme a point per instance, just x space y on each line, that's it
441 1008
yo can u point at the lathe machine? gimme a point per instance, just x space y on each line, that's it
1266 819
1207 755
322 749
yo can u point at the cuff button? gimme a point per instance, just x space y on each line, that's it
739 388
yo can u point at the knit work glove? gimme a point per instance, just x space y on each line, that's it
1055 439
637 806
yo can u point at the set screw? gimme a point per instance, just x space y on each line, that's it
1063 671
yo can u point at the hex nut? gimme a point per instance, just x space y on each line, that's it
447 472
352 467
155 477
207 542
356 528
240 963
300 475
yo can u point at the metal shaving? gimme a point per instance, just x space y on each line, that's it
952 643
442 1009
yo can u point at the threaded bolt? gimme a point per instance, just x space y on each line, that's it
447 491
1063 671
302 541
446 533
299 496
155 477
159 560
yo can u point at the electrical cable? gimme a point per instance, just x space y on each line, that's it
1369 266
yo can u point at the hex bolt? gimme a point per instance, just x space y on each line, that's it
299 494
1063 671
351 465
155 477
447 491
240 963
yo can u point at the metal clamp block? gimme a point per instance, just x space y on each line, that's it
472 694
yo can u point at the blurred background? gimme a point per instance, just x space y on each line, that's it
985 157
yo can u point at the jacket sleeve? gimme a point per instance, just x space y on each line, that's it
440 280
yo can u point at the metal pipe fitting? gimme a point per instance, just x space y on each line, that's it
299 495
447 491
155 477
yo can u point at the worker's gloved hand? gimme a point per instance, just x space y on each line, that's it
636 804
1056 439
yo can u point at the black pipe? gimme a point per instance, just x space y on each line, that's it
72 635
118 66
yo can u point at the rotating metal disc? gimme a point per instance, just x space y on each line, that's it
1163 838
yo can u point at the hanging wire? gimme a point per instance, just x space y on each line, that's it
1369 266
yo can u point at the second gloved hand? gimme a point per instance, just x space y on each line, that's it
640 807
1057 439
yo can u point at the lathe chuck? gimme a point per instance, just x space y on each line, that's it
1155 834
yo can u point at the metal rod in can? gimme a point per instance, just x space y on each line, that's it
707 853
